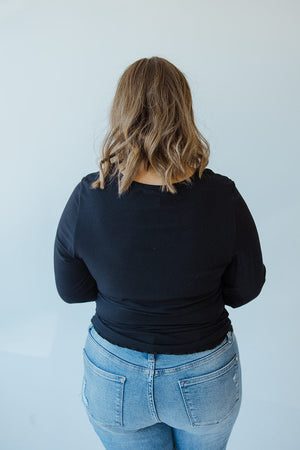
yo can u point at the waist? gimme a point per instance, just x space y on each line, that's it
172 326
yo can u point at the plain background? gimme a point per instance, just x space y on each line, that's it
60 64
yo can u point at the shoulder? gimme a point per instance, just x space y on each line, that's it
218 179
93 176
89 178
87 191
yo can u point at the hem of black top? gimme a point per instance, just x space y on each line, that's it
147 347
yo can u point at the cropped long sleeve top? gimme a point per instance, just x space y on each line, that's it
160 267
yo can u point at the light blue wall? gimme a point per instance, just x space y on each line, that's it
60 62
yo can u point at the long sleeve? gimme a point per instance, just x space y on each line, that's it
73 280
244 277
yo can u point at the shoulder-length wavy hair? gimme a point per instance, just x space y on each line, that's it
152 125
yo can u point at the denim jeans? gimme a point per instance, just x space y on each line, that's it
149 401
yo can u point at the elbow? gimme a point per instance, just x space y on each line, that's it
77 297
240 299
67 297
236 297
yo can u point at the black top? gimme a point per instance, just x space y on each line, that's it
160 266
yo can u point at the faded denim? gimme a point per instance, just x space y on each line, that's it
146 401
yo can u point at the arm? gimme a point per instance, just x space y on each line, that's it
244 277
73 280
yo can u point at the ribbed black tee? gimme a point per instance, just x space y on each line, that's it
161 267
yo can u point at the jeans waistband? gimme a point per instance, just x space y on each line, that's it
162 360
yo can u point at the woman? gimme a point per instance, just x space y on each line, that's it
161 243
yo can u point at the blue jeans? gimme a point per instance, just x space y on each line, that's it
149 401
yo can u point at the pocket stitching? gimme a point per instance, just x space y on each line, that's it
119 379
101 372
185 382
210 376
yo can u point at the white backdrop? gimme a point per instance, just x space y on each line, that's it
60 63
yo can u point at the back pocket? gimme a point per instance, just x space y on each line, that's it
210 398
102 394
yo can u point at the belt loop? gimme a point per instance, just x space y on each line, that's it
230 337
151 356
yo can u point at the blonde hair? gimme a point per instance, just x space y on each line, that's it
152 125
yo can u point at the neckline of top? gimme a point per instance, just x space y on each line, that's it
158 187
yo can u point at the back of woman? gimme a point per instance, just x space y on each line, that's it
161 261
